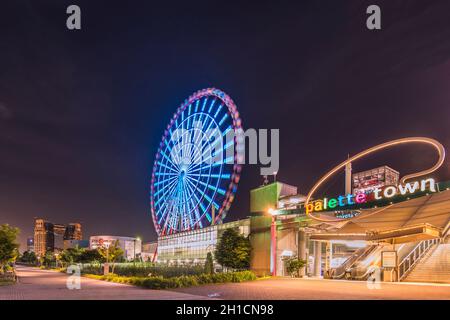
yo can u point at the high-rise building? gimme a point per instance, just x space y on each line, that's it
51 237
44 237
59 230
73 232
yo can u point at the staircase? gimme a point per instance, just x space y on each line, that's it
434 266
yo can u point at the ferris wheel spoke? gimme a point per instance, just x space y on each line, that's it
167 167
162 189
200 203
205 100
188 207
165 193
218 110
213 188
164 181
170 161
211 105
203 121
161 174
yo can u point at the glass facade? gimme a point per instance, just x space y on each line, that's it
191 247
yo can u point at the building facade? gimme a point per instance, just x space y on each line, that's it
44 237
149 251
132 247
50 237
191 247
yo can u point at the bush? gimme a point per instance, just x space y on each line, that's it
145 270
92 269
159 282
294 265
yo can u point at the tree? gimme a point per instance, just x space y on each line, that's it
28 257
111 253
293 266
91 255
48 259
209 264
233 250
71 255
8 246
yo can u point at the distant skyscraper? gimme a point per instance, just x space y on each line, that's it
73 232
51 237
74 236
44 237
59 231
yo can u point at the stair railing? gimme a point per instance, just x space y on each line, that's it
414 256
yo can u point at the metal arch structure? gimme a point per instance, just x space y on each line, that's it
436 144
187 193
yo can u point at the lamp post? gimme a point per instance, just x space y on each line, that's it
273 242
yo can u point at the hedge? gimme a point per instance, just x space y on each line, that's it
160 282
145 270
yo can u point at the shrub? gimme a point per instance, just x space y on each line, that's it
145 270
159 282
294 265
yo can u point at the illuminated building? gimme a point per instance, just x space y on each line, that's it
44 238
367 181
149 251
50 237
191 247
132 247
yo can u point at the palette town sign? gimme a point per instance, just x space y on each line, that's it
388 192
339 203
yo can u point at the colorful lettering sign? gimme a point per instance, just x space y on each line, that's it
342 201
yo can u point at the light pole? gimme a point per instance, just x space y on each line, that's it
273 242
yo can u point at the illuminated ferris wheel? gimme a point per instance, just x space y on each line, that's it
195 174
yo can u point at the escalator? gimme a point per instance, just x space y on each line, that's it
344 271
363 263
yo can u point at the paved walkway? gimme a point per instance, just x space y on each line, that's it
50 285
36 284
307 289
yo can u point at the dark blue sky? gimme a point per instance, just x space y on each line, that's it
82 112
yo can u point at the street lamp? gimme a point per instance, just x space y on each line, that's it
273 242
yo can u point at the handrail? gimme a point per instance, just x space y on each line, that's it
350 261
414 256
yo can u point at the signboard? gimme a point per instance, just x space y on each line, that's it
389 259
339 203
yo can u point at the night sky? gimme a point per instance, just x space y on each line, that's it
82 112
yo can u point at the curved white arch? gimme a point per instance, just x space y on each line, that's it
436 144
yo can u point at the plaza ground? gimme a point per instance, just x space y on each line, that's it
37 284
51 285
312 289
